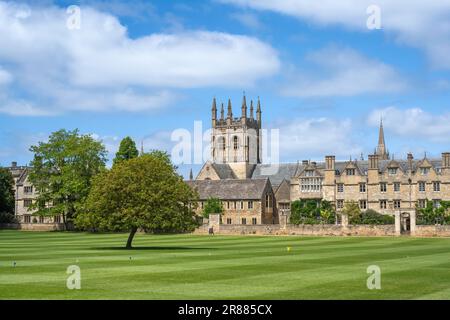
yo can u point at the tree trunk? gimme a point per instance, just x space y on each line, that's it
130 237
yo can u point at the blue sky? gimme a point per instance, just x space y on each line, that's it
147 68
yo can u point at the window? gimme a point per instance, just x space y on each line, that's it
57 219
392 171
340 187
383 204
27 203
309 173
422 203
436 204
438 170
41 219
424 171
229 221
397 204
254 221
268 201
228 204
241 205
250 204
383 187
28 189
397 187
362 187
244 221
27 218
222 144
235 143
363 204
436 186
340 204
422 186
350 172
311 185
285 206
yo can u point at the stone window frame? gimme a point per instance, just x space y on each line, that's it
27 218
383 187
424 171
235 143
363 187
383 204
436 203
422 203
27 203
397 187
397 204
250 205
392 171
254 221
28 189
340 204
229 221
363 204
437 186
422 186
350 172
340 188
244 221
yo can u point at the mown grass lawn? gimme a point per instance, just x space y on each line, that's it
221 267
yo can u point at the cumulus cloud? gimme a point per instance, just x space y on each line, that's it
339 71
316 137
413 123
5 77
422 24
78 69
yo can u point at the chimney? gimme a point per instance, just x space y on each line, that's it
410 161
446 160
330 162
373 162
305 162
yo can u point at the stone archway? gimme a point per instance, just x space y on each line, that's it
405 220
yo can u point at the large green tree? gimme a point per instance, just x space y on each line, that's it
127 150
212 205
142 193
6 191
62 172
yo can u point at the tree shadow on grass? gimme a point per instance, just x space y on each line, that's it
155 248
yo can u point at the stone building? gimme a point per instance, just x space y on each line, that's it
25 195
380 183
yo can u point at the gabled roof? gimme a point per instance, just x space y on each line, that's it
231 189
276 172
224 171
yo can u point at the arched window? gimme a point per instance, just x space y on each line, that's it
222 143
235 143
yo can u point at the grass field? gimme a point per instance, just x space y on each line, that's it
219 267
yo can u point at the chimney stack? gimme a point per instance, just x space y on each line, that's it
330 162
446 160
373 162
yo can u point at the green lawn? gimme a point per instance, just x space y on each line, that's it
219 267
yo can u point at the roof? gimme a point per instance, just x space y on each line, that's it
230 189
224 171
276 173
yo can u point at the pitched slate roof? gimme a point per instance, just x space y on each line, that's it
276 173
230 189
224 171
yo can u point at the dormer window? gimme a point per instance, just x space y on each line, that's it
392 171
309 173
424 171
351 172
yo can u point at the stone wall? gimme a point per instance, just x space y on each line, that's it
34 226
432 231
302 230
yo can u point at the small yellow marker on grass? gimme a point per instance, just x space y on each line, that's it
289 249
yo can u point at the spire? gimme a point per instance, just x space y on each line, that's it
230 111
251 109
221 112
381 149
258 112
214 108
142 147
244 107
191 175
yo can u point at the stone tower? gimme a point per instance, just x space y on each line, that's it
382 151
237 141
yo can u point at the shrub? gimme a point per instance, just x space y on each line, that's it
6 217
372 217
312 212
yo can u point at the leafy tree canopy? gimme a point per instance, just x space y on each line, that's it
312 212
6 191
212 205
141 193
431 214
127 150
62 172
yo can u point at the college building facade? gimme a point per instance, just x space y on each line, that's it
381 183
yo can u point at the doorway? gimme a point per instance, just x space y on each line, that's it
406 223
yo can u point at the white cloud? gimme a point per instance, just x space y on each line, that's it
5 77
422 24
248 19
78 69
343 72
413 123
316 137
